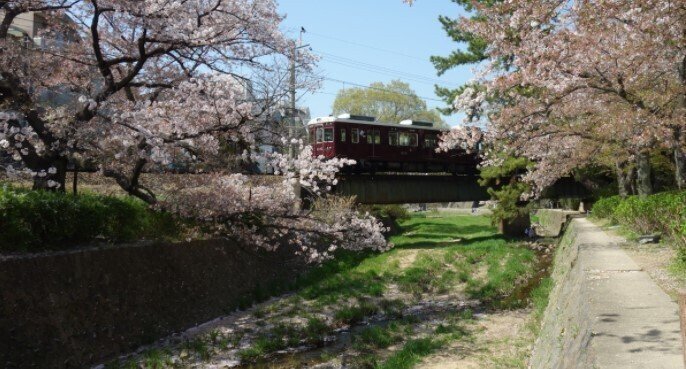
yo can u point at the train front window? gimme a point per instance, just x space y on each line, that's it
393 139
355 135
328 134
320 135
407 139
430 141
342 134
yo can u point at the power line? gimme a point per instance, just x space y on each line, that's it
380 89
367 46
382 73
352 63
325 93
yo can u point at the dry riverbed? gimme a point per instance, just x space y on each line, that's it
451 294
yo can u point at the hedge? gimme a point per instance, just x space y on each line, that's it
43 220
663 212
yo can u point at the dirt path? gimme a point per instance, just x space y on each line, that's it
503 341
655 259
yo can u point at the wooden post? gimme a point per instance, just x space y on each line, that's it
682 317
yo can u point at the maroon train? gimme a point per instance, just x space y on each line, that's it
386 147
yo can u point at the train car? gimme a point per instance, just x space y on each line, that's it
386 147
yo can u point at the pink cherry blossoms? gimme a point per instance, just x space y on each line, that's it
573 83
262 211
128 87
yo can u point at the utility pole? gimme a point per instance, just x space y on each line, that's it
293 110
293 114
291 121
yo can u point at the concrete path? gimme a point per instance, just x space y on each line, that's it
634 325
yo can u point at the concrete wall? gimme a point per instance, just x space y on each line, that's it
565 327
552 222
71 309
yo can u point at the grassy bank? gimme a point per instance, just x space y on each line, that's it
661 213
400 308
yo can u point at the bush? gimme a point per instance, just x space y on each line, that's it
389 215
605 207
663 212
42 220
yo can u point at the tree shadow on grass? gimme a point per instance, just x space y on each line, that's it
444 229
424 244
430 235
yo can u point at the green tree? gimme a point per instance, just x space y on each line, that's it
391 102
475 51
506 188
503 181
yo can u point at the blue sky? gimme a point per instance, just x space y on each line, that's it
381 33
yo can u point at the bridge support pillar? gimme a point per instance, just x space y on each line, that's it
515 227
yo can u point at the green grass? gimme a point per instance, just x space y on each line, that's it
677 268
411 353
454 253
150 359
378 337
356 313
451 249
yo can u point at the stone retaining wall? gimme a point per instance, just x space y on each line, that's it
552 222
564 330
72 309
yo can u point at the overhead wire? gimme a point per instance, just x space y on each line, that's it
341 60
364 45
373 68
380 89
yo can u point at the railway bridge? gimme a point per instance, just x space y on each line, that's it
408 189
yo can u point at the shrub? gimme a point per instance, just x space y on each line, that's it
389 215
663 212
605 207
42 220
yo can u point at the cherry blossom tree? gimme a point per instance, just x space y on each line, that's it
131 71
132 86
263 213
581 78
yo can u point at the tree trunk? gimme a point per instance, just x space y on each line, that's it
631 177
59 177
679 156
623 178
643 182
680 166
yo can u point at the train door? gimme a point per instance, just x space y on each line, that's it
374 139
342 140
359 143
430 144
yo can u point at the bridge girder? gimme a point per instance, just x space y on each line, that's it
409 189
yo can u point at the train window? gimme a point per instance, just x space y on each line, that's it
393 138
430 141
312 134
355 135
328 134
374 137
342 134
407 139
320 134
